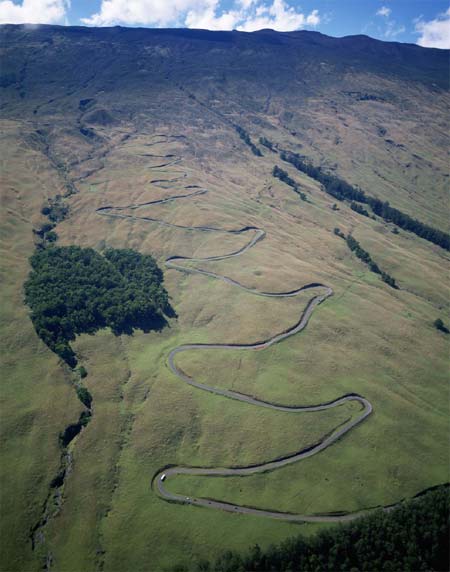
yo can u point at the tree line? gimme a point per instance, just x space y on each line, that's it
359 209
363 255
267 143
282 175
246 139
73 290
342 190
413 537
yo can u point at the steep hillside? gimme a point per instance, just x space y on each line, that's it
159 141
373 111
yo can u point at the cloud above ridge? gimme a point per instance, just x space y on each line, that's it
33 12
246 15
384 11
435 33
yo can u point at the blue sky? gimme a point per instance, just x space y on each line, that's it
426 22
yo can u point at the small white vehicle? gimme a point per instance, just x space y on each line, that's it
163 476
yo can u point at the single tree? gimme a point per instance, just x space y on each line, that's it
439 325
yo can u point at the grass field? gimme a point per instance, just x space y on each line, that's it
37 400
367 338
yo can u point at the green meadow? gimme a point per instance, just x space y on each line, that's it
367 339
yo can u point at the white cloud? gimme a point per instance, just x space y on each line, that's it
313 19
143 12
384 11
206 17
278 16
435 33
33 12
245 15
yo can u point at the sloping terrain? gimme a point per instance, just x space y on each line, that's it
115 120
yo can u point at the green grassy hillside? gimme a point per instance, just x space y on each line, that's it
121 118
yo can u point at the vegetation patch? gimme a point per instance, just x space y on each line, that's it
246 139
73 290
46 234
342 190
72 430
267 143
414 536
439 325
84 396
56 210
363 255
359 209
284 176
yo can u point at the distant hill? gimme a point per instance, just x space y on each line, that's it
303 82
272 51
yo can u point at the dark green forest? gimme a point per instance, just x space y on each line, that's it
73 290
342 190
413 537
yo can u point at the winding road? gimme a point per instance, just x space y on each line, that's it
175 262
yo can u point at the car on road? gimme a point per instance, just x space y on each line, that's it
163 476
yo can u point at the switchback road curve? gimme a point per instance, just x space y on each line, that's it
175 262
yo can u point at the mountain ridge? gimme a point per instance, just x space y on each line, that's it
412 56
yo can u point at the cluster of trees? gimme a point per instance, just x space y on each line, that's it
334 186
342 190
359 209
46 234
267 143
56 210
246 139
363 255
284 176
404 221
73 290
413 537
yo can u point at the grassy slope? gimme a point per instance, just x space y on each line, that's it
388 148
368 338
37 402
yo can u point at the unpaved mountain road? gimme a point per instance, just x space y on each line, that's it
175 262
